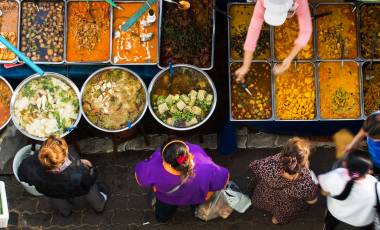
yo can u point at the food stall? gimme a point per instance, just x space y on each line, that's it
332 82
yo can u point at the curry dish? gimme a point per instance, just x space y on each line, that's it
88 32
371 84
337 32
284 37
113 99
241 17
370 31
339 90
127 46
186 35
258 81
5 98
9 28
295 93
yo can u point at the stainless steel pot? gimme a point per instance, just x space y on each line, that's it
162 73
35 76
10 87
115 68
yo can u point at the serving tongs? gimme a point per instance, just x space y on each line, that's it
182 5
342 49
245 87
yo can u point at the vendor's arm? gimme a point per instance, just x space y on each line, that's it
251 40
305 32
219 178
143 170
355 142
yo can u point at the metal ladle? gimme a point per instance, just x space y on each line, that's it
182 5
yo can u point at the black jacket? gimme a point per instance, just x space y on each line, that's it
76 180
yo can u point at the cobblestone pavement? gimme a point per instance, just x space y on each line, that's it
128 206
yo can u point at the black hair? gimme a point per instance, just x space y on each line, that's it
358 165
372 125
171 150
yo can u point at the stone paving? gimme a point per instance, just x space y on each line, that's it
128 206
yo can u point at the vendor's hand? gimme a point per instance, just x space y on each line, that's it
240 74
349 148
86 163
281 68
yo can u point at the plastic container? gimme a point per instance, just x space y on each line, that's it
23 153
4 213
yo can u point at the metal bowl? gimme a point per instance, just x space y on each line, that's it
206 76
10 87
115 68
35 76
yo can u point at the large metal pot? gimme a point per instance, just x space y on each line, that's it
204 74
35 76
10 87
115 68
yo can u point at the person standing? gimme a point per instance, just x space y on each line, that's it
61 175
180 174
351 193
282 183
274 13
371 131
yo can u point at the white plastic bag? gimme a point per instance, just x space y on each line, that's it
235 198
215 207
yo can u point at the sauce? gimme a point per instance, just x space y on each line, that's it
126 45
5 98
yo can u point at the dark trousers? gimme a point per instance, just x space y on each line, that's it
93 198
331 222
164 212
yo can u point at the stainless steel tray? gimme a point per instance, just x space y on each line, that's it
317 112
158 38
360 94
358 30
229 5
316 31
18 36
230 79
66 29
362 66
212 42
64 32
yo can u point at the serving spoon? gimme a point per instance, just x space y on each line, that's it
182 5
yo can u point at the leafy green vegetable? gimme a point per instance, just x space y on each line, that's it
27 91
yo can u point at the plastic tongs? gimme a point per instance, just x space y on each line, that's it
245 87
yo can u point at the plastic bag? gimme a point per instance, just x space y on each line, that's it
235 198
215 207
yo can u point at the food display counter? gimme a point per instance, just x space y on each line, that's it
333 80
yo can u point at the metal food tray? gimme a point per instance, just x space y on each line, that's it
66 26
212 39
361 100
18 36
64 31
316 90
271 52
230 79
317 58
158 37
362 65
314 35
358 30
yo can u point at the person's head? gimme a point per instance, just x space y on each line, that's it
358 165
176 154
295 155
372 126
276 11
53 153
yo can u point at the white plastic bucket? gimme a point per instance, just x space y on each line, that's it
23 153
4 213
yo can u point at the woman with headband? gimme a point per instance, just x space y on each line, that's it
180 174
283 185
351 193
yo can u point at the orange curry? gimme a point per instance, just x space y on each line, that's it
88 32
127 46
5 98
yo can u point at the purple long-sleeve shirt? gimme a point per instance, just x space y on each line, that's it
208 177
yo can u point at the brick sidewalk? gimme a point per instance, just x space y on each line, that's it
128 206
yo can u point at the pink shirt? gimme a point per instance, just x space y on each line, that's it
304 21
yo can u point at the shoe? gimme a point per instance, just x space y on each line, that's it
274 220
103 188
